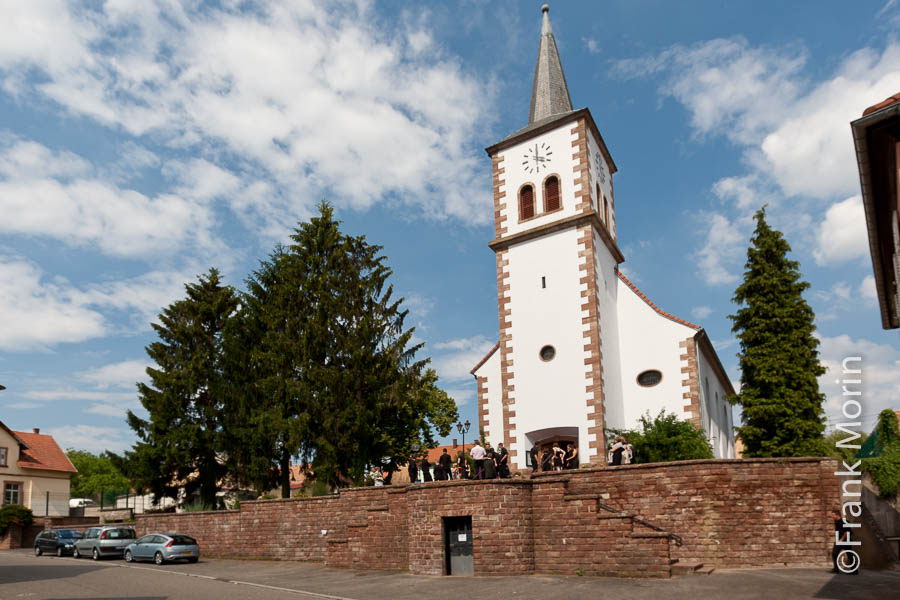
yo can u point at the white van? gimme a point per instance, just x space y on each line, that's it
81 503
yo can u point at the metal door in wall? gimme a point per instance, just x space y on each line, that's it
458 549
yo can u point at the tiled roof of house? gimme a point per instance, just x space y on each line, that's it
486 357
882 104
653 306
41 451
435 453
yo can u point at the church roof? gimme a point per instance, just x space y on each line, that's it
550 94
653 306
485 359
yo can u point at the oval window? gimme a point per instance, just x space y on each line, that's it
547 353
649 378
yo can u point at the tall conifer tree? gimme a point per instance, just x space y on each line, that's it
180 442
779 359
333 376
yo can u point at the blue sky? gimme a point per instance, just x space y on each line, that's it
143 142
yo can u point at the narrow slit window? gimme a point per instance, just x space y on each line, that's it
543 282
551 194
606 212
526 202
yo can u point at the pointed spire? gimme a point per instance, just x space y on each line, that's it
550 94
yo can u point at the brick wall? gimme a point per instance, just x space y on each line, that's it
602 521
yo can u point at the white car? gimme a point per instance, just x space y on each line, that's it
80 502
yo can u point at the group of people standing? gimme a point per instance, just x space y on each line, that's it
554 458
488 464
620 452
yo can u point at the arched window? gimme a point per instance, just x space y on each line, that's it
526 202
551 193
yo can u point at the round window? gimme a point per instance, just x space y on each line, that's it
649 378
547 353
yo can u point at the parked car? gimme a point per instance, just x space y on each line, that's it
109 540
81 503
56 541
163 547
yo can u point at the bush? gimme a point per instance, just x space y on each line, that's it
885 468
14 514
666 438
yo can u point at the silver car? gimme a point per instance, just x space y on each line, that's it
109 540
163 547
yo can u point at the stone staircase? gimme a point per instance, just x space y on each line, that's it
680 569
640 528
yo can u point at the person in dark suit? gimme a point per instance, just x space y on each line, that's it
446 464
502 460
425 466
462 465
413 470
535 462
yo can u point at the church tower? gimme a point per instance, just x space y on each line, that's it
556 253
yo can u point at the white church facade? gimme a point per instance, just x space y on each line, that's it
581 349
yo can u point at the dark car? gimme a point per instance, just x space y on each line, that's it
56 541
108 540
163 547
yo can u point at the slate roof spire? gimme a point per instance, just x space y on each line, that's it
550 94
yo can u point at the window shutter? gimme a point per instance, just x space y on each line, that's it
551 194
526 202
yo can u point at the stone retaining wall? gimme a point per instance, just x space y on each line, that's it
610 520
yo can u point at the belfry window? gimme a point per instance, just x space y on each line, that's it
526 202
606 214
551 193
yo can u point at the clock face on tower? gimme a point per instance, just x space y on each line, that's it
601 168
537 157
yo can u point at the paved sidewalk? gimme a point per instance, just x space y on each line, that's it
784 584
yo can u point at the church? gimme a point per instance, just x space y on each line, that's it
581 348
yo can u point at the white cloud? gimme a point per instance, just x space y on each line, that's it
118 375
77 394
91 438
36 313
459 356
795 133
867 288
56 194
842 235
719 257
880 376
312 99
728 86
701 312
23 405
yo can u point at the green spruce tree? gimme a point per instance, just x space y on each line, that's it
333 376
779 360
181 440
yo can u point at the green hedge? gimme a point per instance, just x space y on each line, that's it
14 514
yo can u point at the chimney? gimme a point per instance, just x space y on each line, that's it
37 430
454 443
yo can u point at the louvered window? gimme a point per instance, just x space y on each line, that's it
526 202
551 194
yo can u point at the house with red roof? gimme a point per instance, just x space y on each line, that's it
34 472
581 349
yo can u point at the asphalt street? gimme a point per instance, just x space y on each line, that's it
23 575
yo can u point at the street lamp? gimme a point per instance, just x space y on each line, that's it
463 428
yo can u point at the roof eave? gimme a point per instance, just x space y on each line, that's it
860 128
